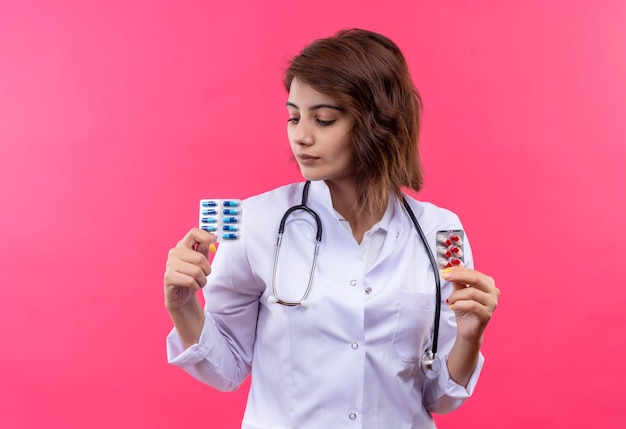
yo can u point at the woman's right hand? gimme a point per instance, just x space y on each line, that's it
186 268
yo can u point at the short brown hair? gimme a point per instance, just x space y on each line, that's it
367 74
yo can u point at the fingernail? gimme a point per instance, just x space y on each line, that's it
451 306
446 273
212 248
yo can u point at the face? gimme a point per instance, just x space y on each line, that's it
319 133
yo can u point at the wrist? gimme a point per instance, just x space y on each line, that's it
469 344
463 359
174 304
188 318
184 310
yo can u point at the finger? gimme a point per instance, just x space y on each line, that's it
181 255
470 306
485 299
470 277
174 279
194 271
473 288
199 240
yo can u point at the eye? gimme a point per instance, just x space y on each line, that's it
293 120
325 123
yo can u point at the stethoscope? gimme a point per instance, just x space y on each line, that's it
431 365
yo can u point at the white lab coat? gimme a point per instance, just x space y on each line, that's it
350 359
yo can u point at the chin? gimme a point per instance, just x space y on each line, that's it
313 176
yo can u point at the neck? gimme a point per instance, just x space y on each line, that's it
345 202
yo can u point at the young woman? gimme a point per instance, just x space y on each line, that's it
341 335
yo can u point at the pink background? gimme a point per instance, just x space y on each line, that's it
116 117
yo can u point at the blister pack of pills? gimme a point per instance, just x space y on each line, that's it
222 218
450 248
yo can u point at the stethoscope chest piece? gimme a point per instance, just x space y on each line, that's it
431 365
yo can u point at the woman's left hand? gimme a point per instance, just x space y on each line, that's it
474 299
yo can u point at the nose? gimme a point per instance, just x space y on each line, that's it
301 133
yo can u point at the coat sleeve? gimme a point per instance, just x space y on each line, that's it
222 358
442 394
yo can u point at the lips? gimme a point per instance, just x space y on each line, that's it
307 159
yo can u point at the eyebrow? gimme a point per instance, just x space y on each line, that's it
316 107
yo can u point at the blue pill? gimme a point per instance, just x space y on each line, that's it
209 204
230 220
209 220
231 203
229 228
209 228
229 236
231 211
209 212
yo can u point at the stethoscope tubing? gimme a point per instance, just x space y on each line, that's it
430 362
433 264
318 240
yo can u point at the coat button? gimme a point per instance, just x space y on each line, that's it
352 416
354 346
353 282
368 290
